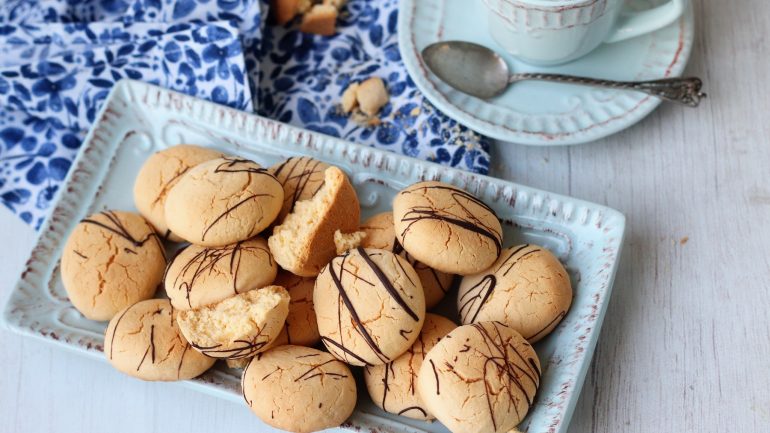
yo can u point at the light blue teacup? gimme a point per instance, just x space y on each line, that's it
550 32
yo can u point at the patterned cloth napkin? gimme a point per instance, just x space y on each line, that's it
59 59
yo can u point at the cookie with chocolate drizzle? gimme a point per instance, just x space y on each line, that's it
111 260
299 389
200 276
370 306
527 289
144 341
223 201
447 228
480 378
393 386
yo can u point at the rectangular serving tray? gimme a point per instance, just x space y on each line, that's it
139 119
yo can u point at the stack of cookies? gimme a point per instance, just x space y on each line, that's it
274 273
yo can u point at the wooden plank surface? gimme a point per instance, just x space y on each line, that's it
686 343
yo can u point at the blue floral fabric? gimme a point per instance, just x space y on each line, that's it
302 78
60 58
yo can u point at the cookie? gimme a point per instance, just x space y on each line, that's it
301 328
370 306
143 341
527 288
447 228
304 242
480 378
158 175
393 386
238 327
301 178
381 234
223 201
199 276
111 260
299 389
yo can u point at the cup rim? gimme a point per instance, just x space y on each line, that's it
552 3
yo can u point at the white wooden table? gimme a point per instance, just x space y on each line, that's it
686 343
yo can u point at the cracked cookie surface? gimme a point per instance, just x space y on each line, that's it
299 389
223 201
301 328
370 306
393 386
527 288
111 260
447 228
159 174
144 341
199 276
380 233
480 378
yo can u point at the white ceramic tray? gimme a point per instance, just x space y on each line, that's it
139 119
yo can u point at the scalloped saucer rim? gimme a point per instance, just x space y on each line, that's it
544 114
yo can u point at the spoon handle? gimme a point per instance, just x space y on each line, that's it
682 90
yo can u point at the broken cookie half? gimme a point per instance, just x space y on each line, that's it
238 327
304 242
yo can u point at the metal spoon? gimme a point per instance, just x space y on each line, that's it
478 71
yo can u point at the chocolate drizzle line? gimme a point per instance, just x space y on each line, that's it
115 330
468 222
387 284
354 314
243 348
321 373
418 408
119 229
150 348
478 295
435 373
555 320
230 165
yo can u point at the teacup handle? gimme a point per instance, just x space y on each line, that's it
633 24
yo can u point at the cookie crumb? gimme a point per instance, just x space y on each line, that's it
363 101
684 240
347 241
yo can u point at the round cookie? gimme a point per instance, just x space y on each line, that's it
159 174
111 260
301 328
299 389
480 378
144 341
223 201
527 288
447 228
370 306
199 276
392 386
238 327
381 234
301 178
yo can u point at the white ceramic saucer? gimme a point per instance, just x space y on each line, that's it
539 113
